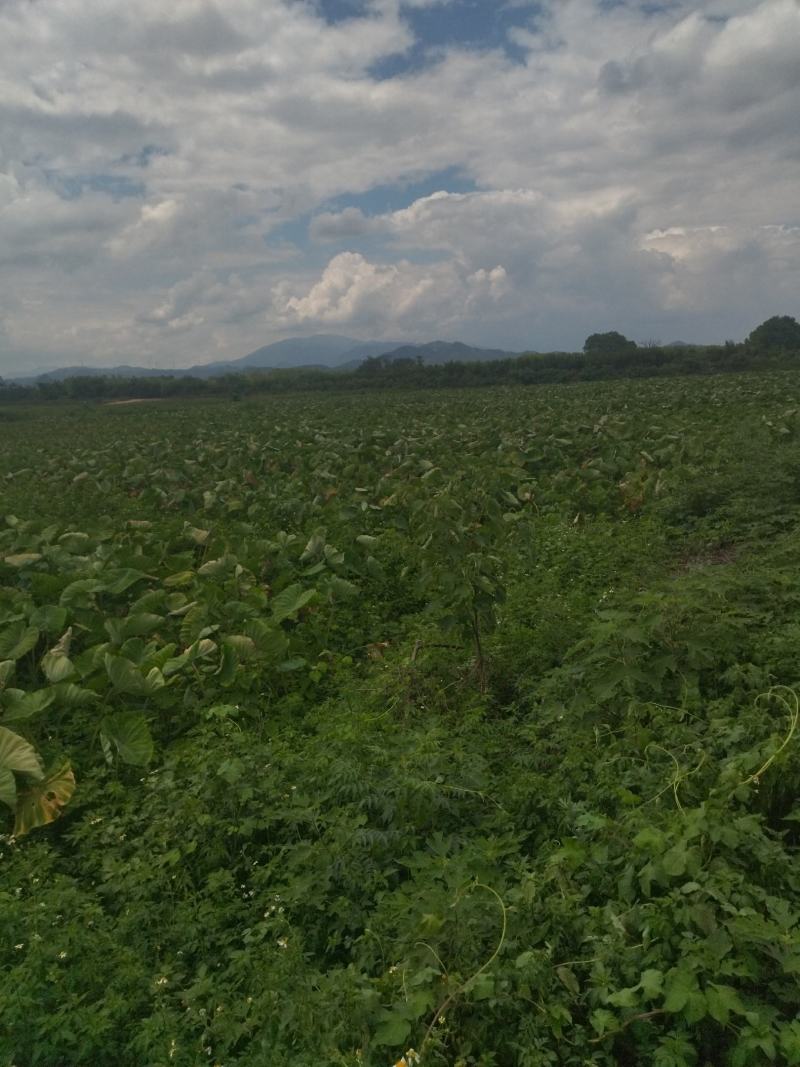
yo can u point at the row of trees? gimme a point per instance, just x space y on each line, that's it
774 343
781 333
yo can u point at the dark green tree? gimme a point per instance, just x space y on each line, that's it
779 332
608 344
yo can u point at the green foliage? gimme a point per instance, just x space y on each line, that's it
464 725
611 343
781 332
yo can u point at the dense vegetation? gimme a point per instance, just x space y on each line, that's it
463 724
775 344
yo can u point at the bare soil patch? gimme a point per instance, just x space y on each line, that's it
711 557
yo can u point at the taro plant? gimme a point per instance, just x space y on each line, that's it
34 795
460 530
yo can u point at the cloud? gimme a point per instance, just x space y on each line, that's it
228 125
382 297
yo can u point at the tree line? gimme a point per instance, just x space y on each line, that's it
773 344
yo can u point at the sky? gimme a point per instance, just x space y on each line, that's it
182 183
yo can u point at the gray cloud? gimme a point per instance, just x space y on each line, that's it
639 166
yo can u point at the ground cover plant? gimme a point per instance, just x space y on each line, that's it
456 729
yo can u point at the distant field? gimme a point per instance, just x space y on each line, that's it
335 727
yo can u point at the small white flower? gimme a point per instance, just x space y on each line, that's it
283 942
19 946
162 980
63 956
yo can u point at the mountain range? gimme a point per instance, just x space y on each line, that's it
321 351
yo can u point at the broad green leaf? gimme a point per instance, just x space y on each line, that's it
17 754
674 860
19 705
295 664
41 802
680 986
129 733
69 695
567 978
123 580
289 601
269 639
81 592
374 568
392 1031
199 650
50 618
722 1000
140 624
243 645
153 681
228 664
214 568
124 675
17 640
6 670
651 983
342 587
624 998
8 788
177 581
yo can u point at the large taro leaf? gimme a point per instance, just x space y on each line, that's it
8 788
17 754
17 640
289 601
41 802
128 732
17 704
6 670
124 675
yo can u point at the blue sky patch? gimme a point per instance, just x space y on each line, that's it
381 200
474 24
339 10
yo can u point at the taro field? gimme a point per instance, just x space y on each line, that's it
453 729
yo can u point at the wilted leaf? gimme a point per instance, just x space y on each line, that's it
22 559
41 802
56 666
